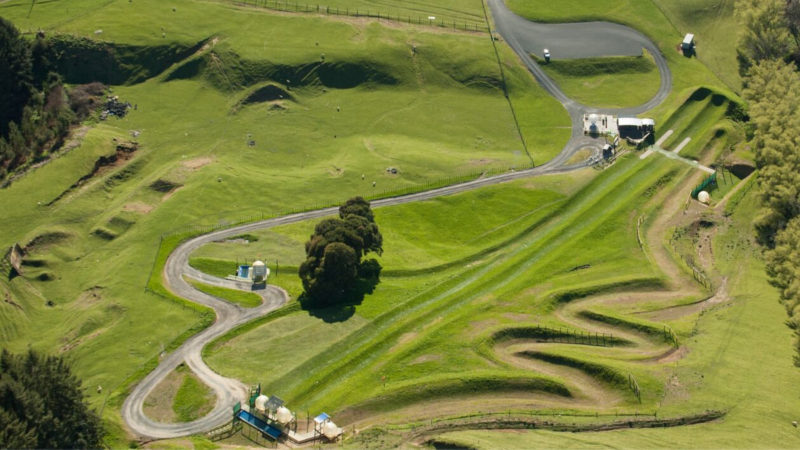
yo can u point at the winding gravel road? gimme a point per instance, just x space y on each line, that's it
524 37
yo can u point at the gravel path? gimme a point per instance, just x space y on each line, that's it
524 37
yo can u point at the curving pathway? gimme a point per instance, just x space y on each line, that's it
524 37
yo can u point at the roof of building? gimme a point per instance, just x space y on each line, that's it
258 263
274 403
629 122
688 38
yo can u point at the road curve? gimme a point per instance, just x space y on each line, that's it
524 37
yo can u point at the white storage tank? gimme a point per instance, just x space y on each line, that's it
259 271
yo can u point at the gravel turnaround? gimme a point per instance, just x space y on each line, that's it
524 37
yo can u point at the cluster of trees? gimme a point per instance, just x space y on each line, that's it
769 58
37 111
334 253
42 406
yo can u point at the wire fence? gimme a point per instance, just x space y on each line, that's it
310 8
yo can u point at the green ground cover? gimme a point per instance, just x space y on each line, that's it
406 112
193 399
612 82
712 22
409 325
243 298
339 125
654 19
740 360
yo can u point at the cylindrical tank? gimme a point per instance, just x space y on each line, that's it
703 197
259 270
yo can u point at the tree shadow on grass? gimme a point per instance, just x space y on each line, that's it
342 308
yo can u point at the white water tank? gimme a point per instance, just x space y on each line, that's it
259 270
703 197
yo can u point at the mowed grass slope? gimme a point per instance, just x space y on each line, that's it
206 158
740 359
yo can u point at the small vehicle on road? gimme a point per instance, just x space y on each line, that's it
546 54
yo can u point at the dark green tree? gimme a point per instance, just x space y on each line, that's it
42 405
15 77
333 263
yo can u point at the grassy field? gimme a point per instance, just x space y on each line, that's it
558 246
613 82
246 299
249 112
665 22
196 119
455 300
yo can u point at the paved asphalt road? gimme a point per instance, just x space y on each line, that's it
524 37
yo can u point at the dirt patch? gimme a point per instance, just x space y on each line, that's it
673 355
424 359
196 163
518 317
69 346
122 154
480 325
158 405
404 339
335 172
138 207
89 298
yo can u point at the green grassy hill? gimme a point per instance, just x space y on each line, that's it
241 112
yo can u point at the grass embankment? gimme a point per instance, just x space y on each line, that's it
740 360
612 82
242 298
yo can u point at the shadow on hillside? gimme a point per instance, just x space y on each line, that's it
345 307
